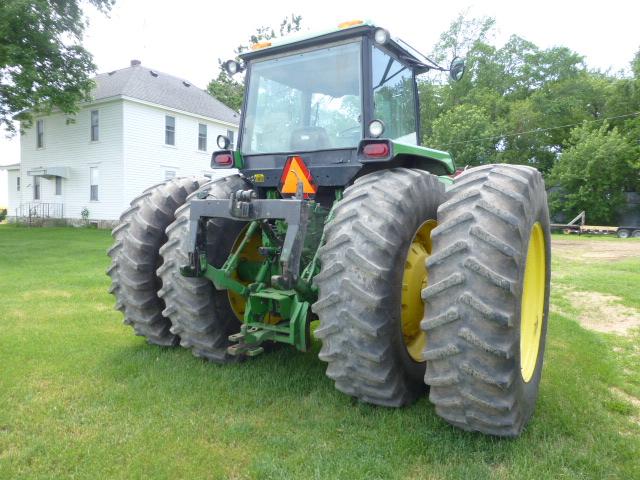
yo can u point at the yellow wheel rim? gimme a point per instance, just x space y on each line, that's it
532 308
250 253
414 280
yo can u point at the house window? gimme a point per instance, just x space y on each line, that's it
202 137
36 188
169 130
18 184
94 175
58 185
230 137
169 174
40 133
95 125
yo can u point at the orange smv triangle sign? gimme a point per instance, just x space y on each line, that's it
296 171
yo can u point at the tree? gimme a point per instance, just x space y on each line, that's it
593 173
228 90
466 122
462 37
42 64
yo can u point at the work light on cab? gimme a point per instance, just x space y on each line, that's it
223 142
232 67
376 128
381 36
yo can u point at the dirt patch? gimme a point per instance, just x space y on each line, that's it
626 397
604 313
616 249
634 401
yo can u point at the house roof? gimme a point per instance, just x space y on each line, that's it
160 88
13 166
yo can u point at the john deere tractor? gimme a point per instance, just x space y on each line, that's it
332 211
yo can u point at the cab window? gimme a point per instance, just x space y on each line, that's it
394 97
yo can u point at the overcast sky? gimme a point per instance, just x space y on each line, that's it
186 37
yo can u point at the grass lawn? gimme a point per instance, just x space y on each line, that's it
82 397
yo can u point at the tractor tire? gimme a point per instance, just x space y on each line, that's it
201 315
485 325
361 285
134 257
635 234
623 233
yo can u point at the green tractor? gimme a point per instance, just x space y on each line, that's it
332 211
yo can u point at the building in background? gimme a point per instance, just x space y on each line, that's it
141 128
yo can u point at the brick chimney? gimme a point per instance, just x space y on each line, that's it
135 63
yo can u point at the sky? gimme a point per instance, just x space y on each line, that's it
185 38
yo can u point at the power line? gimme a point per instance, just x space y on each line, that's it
539 130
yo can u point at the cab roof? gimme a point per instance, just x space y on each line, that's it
344 30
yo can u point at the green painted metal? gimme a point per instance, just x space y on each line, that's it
448 181
238 161
221 278
312 269
272 314
445 158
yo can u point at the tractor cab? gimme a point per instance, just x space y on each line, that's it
326 98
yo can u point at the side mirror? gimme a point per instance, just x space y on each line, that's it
456 69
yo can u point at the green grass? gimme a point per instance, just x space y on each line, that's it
81 397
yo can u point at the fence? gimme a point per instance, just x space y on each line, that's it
36 213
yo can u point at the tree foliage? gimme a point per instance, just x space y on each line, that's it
519 103
593 173
230 91
466 121
42 63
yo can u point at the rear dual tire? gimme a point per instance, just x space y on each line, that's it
200 314
487 301
485 329
360 285
135 258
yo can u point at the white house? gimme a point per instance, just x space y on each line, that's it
142 127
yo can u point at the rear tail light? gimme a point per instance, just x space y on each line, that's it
222 160
376 150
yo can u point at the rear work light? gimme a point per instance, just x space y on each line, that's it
376 150
224 160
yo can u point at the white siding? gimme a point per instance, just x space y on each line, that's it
146 157
12 192
67 143
4 194
130 154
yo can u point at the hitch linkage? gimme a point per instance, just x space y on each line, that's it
245 206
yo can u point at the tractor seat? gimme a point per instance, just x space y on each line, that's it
309 138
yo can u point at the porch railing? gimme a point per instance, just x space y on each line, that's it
35 212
